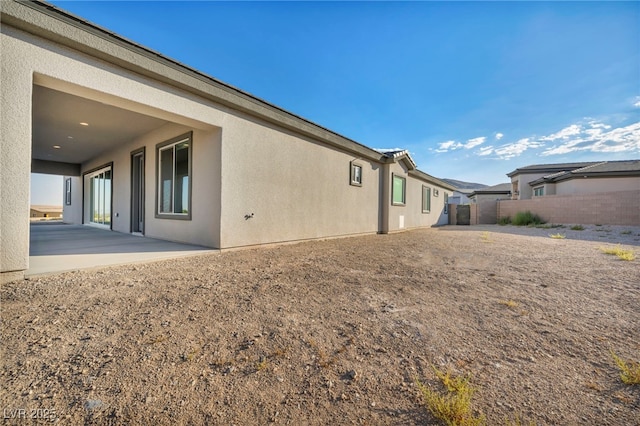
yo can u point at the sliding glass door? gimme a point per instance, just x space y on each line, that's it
100 197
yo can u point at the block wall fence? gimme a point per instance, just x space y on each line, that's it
605 208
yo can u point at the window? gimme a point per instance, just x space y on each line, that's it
538 192
356 174
446 203
398 191
98 182
174 178
67 191
426 199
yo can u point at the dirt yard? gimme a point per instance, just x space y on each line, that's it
332 332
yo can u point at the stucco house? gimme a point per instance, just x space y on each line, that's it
501 191
460 196
150 146
574 178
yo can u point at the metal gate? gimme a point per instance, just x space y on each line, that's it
463 214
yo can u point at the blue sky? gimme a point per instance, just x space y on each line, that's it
472 90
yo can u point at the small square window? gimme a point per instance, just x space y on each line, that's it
398 191
356 174
538 192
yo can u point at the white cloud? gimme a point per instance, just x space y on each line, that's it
637 102
487 150
587 135
448 146
471 143
596 139
453 145
596 125
511 150
566 133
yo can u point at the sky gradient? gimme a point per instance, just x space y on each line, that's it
472 90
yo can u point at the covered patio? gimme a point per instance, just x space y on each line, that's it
57 247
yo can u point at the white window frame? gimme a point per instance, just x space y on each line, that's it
538 189
355 178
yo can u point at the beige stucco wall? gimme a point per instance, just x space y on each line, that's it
592 185
279 187
480 198
15 157
203 228
72 213
526 191
410 215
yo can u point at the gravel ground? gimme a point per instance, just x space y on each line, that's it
333 332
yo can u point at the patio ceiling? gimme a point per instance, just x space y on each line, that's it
71 129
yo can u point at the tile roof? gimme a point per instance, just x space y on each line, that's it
594 169
579 167
501 188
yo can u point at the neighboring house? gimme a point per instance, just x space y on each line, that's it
501 191
575 178
484 203
462 190
460 196
604 192
150 146
37 211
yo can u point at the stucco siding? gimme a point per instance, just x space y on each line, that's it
411 215
203 228
592 185
526 191
72 213
277 186
15 154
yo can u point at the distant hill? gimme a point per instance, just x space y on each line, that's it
464 185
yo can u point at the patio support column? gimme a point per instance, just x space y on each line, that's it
385 197
15 161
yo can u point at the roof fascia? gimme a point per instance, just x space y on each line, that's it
625 173
547 170
490 193
575 175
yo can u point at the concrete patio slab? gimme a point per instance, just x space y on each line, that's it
56 247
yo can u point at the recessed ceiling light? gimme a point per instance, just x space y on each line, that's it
69 137
84 124
56 147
